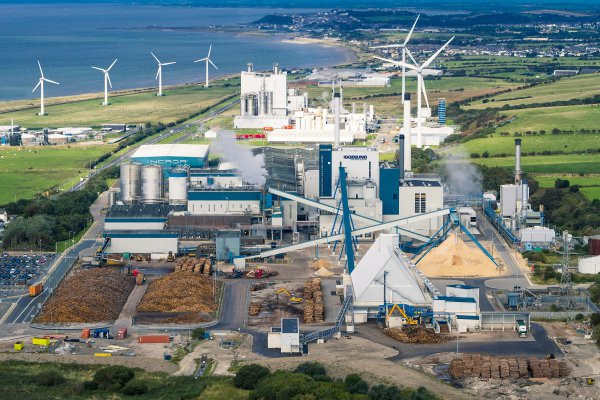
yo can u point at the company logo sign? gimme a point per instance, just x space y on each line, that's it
168 162
355 157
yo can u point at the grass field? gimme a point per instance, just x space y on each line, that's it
136 108
27 171
559 164
576 87
591 192
565 118
548 181
497 144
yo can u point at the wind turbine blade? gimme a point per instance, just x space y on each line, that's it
48 80
213 64
40 65
169 63
411 57
36 86
157 60
411 30
99 69
111 65
430 60
398 63
108 77
423 89
157 72
202 59
209 50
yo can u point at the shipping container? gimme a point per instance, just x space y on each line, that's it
154 339
122 334
35 289
41 341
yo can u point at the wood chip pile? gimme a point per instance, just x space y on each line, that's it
314 309
415 334
493 367
193 264
89 295
180 291
254 309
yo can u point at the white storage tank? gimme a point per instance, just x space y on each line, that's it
152 184
589 265
130 182
178 186
112 198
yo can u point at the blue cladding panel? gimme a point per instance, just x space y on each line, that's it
389 182
325 172
457 299
442 111
269 200
473 317
217 195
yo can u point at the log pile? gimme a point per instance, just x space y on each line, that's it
254 309
182 291
192 264
314 309
492 367
415 334
89 295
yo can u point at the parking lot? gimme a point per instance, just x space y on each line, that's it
17 272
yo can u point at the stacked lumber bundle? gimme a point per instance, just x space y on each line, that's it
192 264
314 309
414 334
254 309
492 367
182 291
89 295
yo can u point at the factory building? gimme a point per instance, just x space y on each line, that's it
172 155
158 242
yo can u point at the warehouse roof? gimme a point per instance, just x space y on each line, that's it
421 182
171 150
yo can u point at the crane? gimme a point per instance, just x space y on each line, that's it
293 298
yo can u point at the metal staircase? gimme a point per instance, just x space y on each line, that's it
339 320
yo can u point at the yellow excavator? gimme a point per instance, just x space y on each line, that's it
293 298
409 320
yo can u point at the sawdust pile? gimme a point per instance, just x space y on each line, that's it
415 334
90 295
323 272
180 291
320 263
454 258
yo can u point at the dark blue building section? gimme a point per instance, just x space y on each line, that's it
389 184
325 173
442 111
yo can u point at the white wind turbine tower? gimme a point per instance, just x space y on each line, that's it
159 73
404 50
106 81
207 60
420 84
41 86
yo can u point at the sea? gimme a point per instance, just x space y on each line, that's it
68 39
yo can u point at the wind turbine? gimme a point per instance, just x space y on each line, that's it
41 86
420 83
208 60
404 51
159 73
106 81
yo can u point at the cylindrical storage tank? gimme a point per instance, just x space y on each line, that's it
152 184
589 265
112 198
130 182
594 246
369 191
57 138
178 186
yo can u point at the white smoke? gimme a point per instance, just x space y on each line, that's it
250 167
462 178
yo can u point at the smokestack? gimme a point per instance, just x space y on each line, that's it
517 161
250 67
353 108
275 68
336 123
401 157
407 133
524 197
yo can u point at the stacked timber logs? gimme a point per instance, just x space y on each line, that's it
492 367
192 264
254 309
314 309
414 334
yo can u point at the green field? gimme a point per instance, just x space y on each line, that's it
548 181
27 171
565 164
135 108
591 192
497 144
577 87
566 118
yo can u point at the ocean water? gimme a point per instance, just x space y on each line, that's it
68 39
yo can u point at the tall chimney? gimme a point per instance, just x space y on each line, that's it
250 67
406 128
517 161
401 160
336 121
275 68
524 197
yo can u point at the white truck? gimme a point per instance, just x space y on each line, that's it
521 328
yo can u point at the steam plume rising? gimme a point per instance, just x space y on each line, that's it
250 167
463 178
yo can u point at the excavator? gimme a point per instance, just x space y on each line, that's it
409 320
293 298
